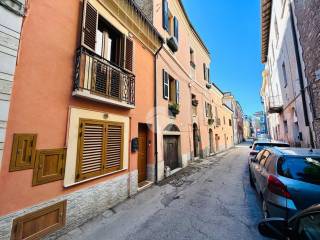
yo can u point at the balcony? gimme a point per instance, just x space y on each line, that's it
274 104
102 81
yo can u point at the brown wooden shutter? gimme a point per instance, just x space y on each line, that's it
23 151
114 147
89 26
49 166
40 223
91 151
129 55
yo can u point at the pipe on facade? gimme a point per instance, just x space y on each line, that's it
299 67
155 114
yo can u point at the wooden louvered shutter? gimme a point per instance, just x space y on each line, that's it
91 150
205 71
165 84
129 55
165 15
89 26
176 28
114 147
177 92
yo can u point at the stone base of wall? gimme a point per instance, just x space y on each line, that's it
151 172
81 205
133 183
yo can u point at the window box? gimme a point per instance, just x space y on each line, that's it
172 44
174 109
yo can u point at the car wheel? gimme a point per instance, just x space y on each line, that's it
251 179
265 209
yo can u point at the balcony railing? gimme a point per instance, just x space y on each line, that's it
100 80
274 104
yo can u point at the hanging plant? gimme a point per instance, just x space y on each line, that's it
195 102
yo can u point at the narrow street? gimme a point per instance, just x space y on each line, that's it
210 199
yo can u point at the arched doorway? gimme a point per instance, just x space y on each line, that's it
196 140
211 147
171 146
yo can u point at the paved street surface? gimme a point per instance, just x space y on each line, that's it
210 199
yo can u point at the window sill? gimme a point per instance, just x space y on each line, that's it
94 178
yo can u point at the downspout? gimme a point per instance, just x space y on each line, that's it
155 114
302 88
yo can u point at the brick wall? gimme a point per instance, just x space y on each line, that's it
308 21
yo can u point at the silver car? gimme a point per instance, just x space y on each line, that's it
287 179
258 145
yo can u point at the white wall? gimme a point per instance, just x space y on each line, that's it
10 28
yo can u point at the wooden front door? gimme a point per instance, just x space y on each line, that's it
217 142
142 153
171 157
211 141
195 140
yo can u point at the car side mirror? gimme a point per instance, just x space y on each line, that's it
276 228
250 146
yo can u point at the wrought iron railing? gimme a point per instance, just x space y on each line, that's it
99 77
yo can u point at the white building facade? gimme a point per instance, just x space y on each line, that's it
11 17
285 99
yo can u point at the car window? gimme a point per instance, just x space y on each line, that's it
268 160
264 157
259 155
260 146
306 169
309 227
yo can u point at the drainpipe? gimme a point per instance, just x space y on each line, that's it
155 113
302 88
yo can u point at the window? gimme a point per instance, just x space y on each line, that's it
264 158
285 125
208 110
224 120
305 169
171 88
230 123
100 148
276 29
176 28
192 58
101 37
284 73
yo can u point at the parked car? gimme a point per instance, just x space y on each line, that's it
287 179
303 226
258 145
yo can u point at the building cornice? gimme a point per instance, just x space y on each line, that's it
266 9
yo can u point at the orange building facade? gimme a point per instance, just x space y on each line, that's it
107 99
79 110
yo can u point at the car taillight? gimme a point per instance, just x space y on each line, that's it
277 187
253 153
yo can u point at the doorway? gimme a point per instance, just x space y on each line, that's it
170 149
196 139
142 152
217 142
211 148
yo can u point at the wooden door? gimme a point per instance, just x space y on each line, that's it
217 142
211 141
195 140
142 153
171 157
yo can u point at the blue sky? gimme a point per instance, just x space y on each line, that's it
231 31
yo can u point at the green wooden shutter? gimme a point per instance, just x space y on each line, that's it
176 28
165 14
177 92
89 26
165 84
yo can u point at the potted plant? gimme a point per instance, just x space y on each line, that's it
210 121
195 102
208 85
174 108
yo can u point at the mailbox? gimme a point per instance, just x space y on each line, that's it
134 145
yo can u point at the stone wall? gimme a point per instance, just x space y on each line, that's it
81 205
308 22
